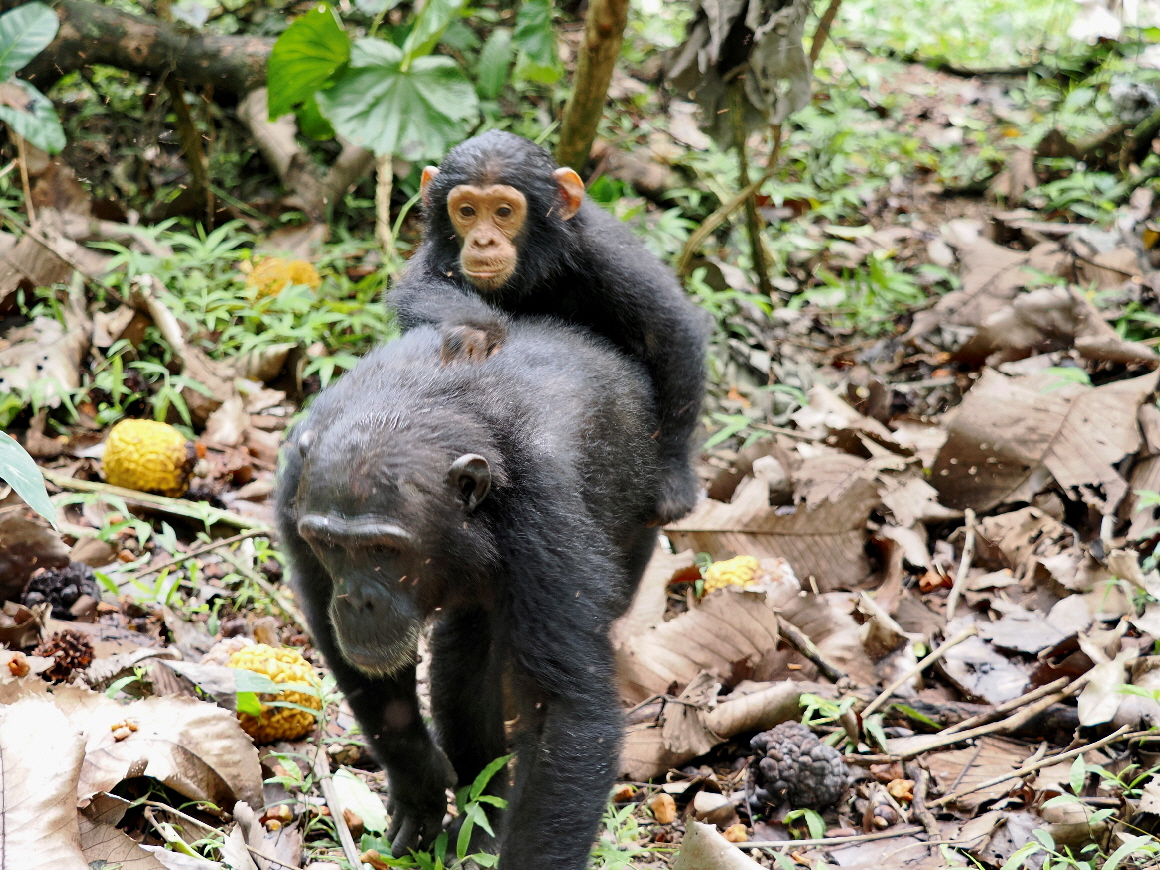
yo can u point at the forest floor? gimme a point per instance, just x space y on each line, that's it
935 446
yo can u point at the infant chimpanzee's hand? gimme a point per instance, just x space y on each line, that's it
473 342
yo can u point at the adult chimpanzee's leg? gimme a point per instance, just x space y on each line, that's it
467 695
388 713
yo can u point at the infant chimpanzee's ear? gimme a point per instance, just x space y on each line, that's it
471 476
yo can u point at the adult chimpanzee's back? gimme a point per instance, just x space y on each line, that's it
508 501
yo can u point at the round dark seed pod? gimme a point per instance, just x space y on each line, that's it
793 765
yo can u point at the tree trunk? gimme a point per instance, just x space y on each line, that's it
603 35
91 34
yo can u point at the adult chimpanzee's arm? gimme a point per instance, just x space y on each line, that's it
647 313
388 713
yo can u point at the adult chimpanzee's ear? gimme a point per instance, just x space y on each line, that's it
429 173
471 476
571 191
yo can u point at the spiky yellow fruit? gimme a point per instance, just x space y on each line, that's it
149 457
738 571
274 274
281 666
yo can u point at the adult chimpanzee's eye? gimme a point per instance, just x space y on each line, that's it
504 211
466 211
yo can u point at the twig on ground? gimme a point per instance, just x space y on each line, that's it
177 506
1118 734
1006 707
330 794
969 631
200 551
964 565
918 801
831 841
796 638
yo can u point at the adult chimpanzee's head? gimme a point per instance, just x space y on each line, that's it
392 513
500 203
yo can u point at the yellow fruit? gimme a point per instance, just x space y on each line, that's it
738 571
274 274
281 666
149 457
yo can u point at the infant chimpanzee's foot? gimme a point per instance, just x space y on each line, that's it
679 492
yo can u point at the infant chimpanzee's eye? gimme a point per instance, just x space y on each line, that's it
504 211
466 211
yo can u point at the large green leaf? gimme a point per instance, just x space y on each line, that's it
19 471
494 60
37 121
429 26
304 58
24 33
534 34
416 113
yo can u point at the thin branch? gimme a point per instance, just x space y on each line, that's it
1118 734
800 642
201 551
823 31
964 565
831 841
969 631
713 221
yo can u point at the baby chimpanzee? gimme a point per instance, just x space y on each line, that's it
507 230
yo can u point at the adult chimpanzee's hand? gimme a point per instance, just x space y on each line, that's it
416 815
473 342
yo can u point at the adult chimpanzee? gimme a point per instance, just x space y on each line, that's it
506 229
510 501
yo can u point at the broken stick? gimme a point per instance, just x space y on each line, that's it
1119 734
969 631
964 565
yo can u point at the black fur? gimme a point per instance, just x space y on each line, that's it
589 270
526 583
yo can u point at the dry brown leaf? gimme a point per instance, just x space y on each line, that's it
1145 478
821 537
648 604
981 673
1051 319
757 710
963 768
683 727
729 627
102 841
912 500
195 748
830 417
1012 538
40 758
44 354
991 277
1101 697
1011 433
1021 630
